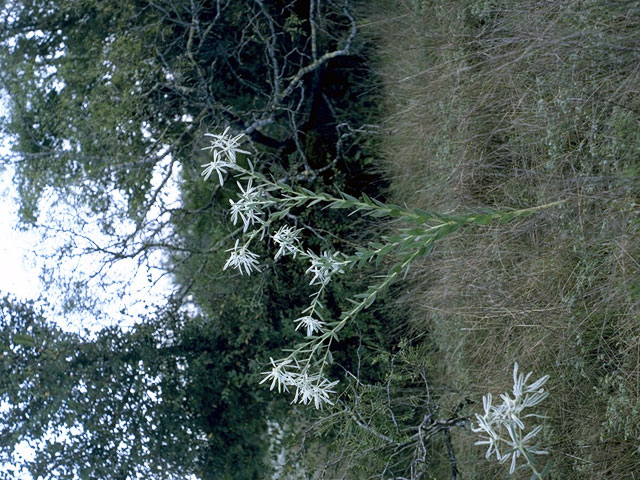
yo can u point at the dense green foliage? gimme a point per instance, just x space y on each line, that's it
171 396
105 98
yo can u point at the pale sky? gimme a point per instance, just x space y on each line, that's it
21 261
22 256
20 269
16 275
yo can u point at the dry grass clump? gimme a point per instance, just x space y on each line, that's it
509 104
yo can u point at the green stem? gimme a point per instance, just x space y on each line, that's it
524 454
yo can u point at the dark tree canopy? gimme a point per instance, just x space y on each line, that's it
109 102
103 91
173 396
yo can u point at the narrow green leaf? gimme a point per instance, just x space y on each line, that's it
24 340
507 217
369 301
482 219
425 249
376 213
396 268
407 244
395 239
447 230
424 214
350 197
547 469
530 458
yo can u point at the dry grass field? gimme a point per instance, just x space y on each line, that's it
511 104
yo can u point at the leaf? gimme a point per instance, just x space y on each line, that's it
425 216
425 249
24 340
369 300
446 230
507 217
395 269
329 357
547 469
395 239
376 213
406 244
482 219
530 458
350 197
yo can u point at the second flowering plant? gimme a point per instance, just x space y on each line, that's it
503 426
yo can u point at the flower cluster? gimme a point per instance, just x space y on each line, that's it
309 387
224 150
287 239
324 266
249 207
241 258
310 323
257 197
503 427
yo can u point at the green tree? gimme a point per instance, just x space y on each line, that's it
109 103
104 91
109 100
171 397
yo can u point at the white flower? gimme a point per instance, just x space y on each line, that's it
311 324
499 420
241 258
286 238
216 164
485 426
313 388
225 145
278 375
323 267
321 391
249 207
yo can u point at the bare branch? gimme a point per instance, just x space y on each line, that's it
345 50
